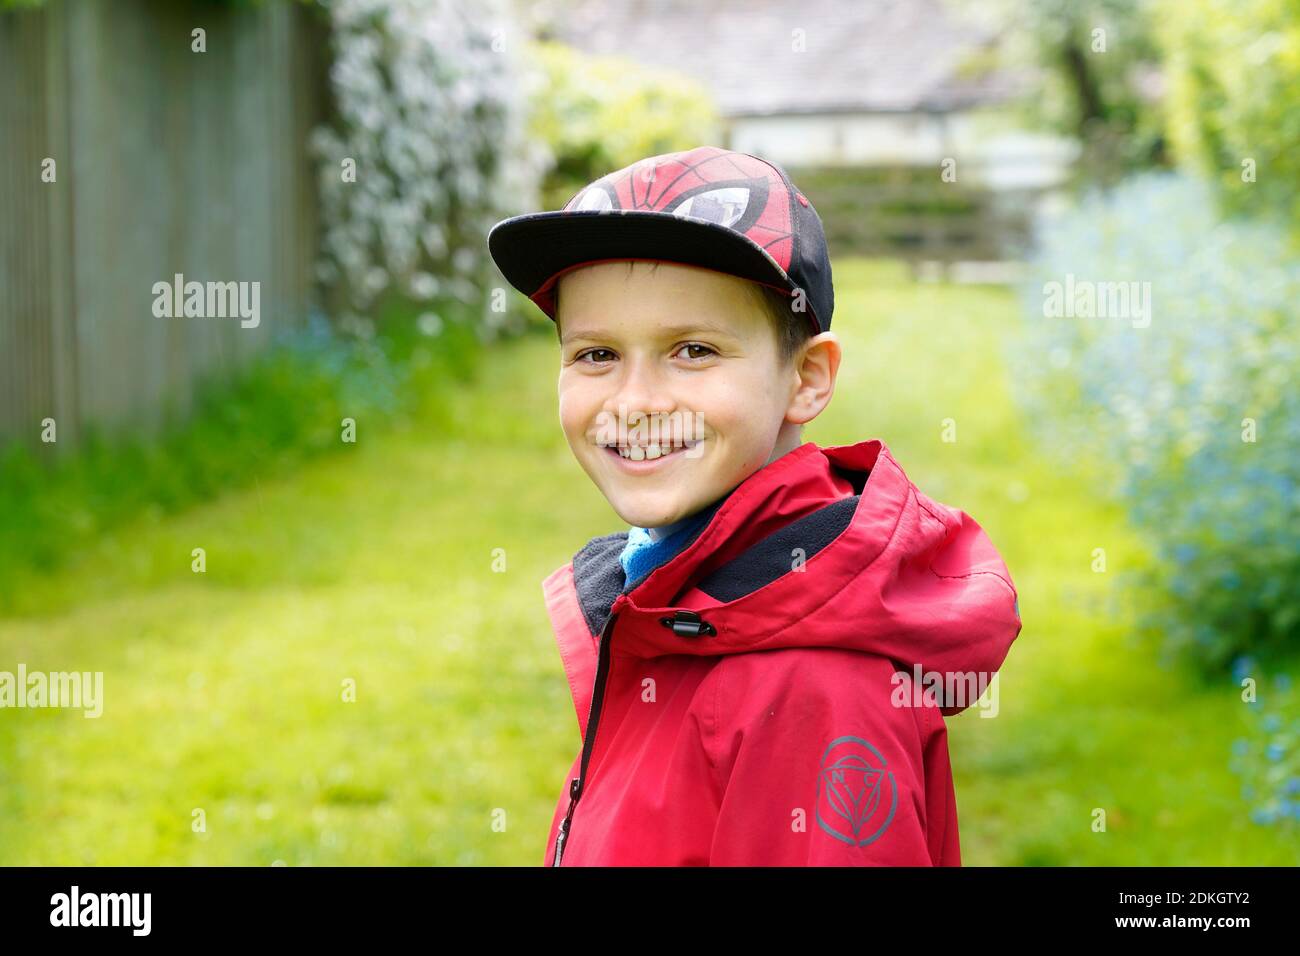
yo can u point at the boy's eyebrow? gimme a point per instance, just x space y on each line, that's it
665 331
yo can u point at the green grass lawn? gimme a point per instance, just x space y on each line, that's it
223 691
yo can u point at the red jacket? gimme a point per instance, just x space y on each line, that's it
751 701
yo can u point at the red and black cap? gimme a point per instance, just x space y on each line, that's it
710 207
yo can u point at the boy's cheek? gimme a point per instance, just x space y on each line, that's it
569 407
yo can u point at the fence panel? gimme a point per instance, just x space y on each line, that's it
168 161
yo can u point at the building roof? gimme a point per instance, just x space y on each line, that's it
858 55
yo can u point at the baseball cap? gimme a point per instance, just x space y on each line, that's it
711 207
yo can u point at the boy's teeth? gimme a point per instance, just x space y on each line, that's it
647 452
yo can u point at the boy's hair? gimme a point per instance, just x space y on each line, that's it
792 328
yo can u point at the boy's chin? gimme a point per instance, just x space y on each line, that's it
638 515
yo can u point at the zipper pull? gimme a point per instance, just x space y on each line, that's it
564 824
559 842
688 624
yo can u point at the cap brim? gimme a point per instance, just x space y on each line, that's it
534 250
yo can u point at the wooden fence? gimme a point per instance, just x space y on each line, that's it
909 213
166 161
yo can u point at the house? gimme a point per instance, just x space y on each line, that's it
838 82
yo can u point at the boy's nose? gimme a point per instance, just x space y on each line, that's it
642 390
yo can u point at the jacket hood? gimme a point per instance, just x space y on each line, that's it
823 547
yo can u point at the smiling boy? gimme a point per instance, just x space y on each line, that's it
736 656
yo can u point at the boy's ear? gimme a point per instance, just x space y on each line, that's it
818 364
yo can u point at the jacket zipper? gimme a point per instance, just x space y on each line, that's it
588 743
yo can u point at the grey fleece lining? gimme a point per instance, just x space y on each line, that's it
772 557
598 576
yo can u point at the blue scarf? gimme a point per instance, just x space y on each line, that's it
648 548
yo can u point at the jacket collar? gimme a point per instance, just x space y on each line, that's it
800 483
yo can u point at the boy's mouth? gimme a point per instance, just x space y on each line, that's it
644 456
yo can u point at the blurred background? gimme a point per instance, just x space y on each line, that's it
305 546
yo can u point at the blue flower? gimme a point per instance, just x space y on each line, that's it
1272 722
1275 752
1240 746
1241 668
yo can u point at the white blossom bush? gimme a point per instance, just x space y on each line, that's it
426 151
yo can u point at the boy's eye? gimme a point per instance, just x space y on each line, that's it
586 356
696 345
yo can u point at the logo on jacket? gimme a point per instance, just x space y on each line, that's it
856 792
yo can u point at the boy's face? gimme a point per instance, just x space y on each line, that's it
691 350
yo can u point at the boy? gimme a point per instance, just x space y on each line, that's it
746 661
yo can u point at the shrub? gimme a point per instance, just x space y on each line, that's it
596 114
1166 411
1233 73
426 152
